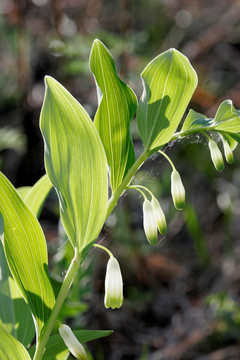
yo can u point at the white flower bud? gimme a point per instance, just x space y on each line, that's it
159 216
216 155
113 285
149 222
177 190
72 343
228 151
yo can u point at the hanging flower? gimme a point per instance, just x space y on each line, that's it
113 285
159 216
149 222
72 343
227 151
177 190
216 155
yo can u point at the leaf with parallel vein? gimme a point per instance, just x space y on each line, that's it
76 164
168 84
117 106
26 252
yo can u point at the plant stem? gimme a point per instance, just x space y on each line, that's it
200 129
168 158
114 199
136 187
67 282
104 248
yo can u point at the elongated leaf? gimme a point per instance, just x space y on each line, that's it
37 195
26 252
75 163
56 348
117 106
168 84
11 348
14 312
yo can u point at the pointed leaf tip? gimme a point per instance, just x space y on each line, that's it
76 164
117 106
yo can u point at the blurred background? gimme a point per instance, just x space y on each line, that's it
181 297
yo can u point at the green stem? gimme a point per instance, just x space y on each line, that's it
114 199
200 129
136 187
104 248
168 158
67 282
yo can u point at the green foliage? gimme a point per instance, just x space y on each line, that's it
56 348
14 312
26 253
10 347
117 106
79 157
169 82
75 163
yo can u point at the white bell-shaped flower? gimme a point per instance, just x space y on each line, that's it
149 222
227 151
72 343
216 155
177 190
113 284
159 216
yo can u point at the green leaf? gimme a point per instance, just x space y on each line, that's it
196 120
226 121
117 106
227 118
168 84
11 348
14 312
56 347
26 252
23 191
76 164
37 195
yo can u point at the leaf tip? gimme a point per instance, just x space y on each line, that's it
49 80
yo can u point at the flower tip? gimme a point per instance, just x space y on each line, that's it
72 343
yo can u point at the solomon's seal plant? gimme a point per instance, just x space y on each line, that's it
80 156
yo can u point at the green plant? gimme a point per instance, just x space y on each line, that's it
79 155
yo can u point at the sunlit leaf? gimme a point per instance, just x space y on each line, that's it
56 348
10 347
23 191
26 252
37 195
168 84
75 163
117 106
14 312
196 120
226 121
227 118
